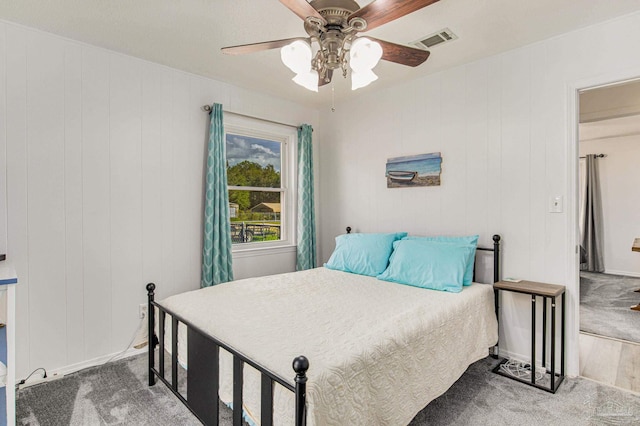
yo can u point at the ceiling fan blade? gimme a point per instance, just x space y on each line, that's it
303 9
379 12
400 54
322 81
257 47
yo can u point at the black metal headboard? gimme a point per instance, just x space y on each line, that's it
496 256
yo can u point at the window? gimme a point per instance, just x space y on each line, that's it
260 177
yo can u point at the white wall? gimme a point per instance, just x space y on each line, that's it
104 170
3 149
503 127
104 158
619 183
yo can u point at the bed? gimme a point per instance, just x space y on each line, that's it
375 352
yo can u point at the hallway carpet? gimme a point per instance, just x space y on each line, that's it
604 305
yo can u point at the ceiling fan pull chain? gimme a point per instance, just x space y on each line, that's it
333 96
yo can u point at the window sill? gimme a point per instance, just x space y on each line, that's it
262 251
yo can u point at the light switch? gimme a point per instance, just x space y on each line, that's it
556 204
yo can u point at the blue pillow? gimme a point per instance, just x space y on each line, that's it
434 265
363 254
470 240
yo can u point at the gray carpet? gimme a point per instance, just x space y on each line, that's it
117 394
604 305
112 394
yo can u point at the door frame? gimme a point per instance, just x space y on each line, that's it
573 267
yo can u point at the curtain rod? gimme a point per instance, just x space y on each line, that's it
207 108
598 156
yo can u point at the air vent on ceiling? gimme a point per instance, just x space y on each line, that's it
435 39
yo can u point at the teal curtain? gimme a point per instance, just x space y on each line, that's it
216 252
306 251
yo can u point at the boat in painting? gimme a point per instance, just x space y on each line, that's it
402 175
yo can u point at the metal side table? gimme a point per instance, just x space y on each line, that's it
548 292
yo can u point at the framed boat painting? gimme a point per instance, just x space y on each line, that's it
414 170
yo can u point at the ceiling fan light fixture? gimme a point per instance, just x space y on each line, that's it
362 78
364 54
308 80
334 26
297 56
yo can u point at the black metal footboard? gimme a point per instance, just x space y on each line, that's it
203 372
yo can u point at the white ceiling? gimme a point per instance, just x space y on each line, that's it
610 112
611 101
610 128
188 34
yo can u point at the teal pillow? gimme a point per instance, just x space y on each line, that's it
363 254
470 240
434 265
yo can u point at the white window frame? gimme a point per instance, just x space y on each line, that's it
288 137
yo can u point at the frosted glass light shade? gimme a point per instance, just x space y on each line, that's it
362 78
297 56
308 80
364 54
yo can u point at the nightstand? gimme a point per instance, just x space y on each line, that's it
549 293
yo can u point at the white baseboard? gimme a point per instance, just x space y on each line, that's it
512 355
139 339
63 371
527 359
625 273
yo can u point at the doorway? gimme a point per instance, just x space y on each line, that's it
609 204
608 209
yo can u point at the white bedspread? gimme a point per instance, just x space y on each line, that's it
379 352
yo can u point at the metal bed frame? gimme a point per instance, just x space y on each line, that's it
203 372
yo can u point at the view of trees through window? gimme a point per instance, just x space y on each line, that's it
254 164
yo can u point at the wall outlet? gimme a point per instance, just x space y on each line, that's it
140 339
142 310
556 204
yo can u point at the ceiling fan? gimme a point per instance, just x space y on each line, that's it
334 25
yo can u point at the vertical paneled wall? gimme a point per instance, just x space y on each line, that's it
101 161
502 126
3 148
